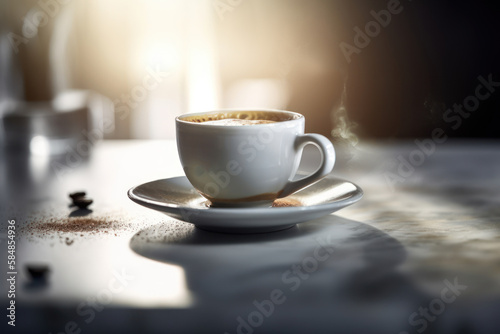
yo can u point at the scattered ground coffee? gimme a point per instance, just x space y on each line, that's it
284 202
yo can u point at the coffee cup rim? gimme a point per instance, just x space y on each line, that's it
296 114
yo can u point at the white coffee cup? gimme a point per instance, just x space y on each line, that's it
247 165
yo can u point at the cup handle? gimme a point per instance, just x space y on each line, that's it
327 161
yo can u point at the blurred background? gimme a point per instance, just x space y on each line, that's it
123 69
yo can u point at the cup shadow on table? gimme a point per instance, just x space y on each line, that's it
343 262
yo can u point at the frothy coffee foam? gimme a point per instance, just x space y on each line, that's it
247 115
238 122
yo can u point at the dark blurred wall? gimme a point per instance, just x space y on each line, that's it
428 59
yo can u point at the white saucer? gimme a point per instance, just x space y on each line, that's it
178 199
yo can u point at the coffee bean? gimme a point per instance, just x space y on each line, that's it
38 271
82 202
77 194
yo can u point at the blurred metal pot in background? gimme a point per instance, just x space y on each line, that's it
74 120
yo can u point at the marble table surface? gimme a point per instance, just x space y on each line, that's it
420 253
